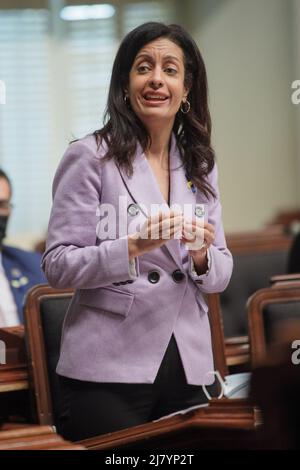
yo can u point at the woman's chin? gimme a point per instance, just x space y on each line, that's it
155 116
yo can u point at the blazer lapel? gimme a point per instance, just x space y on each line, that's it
144 190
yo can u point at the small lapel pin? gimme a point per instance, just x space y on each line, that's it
133 209
199 210
15 283
15 272
24 280
190 184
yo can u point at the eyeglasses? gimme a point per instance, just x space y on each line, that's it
6 205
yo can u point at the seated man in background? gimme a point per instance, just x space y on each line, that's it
19 269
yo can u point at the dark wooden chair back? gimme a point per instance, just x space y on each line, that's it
44 313
270 312
257 256
217 332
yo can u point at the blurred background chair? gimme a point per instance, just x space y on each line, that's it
257 256
274 317
274 327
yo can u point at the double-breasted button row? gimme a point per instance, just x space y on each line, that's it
154 277
130 281
177 276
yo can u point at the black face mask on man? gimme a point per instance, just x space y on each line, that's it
3 226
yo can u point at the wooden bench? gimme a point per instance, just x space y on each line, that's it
34 438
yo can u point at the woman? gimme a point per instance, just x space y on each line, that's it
136 341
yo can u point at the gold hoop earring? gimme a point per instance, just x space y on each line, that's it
127 102
185 107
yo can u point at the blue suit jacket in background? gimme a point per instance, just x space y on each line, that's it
23 271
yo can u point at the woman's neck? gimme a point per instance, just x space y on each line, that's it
158 151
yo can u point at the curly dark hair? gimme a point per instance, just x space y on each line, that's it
123 129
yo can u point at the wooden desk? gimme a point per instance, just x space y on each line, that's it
237 350
13 378
14 386
14 374
223 424
34 438
271 238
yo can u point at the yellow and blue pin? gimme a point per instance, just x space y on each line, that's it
190 184
19 280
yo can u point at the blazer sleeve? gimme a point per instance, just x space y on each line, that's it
219 273
74 257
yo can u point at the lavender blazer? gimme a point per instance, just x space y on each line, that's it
115 330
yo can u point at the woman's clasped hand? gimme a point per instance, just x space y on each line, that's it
163 226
